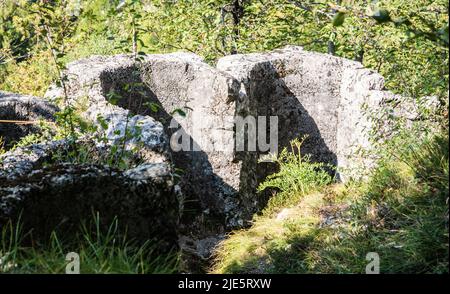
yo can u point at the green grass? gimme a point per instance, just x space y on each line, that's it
99 252
297 177
401 213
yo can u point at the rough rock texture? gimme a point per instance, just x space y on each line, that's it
165 86
21 161
62 196
50 191
197 252
22 108
51 196
312 94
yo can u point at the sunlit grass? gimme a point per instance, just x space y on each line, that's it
401 213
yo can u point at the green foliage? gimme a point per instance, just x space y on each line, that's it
297 176
88 153
88 136
338 19
405 208
408 47
44 131
401 213
31 76
259 248
430 161
48 131
100 251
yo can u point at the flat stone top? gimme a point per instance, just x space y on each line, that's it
7 96
239 64
113 61
30 106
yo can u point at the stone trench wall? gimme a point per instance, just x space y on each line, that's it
49 194
171 81
20 108
314 94
311 93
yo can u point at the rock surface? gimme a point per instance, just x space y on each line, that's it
22 108
62 196
189 97
48 194
312 94
50 191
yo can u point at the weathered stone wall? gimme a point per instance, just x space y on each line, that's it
311 94
210 175
49 191
62 197
159 101
314 94
301 88
22 108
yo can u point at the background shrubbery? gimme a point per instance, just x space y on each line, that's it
409 48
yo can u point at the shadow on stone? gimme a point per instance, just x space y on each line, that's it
22 108
196 178
268 95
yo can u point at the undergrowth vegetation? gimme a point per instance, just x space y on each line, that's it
401 213
297 176
90 143
99 251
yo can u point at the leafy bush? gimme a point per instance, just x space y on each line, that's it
297 176
408 49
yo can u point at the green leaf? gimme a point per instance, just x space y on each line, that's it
113 97
153 106
338 19
102 122
141 42
179 111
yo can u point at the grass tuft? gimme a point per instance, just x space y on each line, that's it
100 251
297 177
